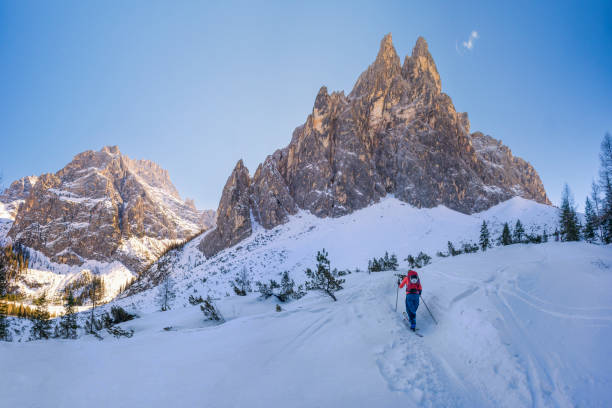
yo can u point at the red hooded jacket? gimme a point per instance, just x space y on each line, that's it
412 287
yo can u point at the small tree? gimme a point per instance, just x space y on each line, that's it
393 264
568 220
451 249
423 259
412 262
67 325
166 293
322 279
506 237
242 282
41 325
210 310
519 232
485 237
590 222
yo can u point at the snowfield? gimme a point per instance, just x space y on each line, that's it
519 326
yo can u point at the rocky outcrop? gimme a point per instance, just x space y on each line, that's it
16 193
104 206
395 133
233 215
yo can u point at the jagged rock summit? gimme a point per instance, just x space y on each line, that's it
104 206
395 133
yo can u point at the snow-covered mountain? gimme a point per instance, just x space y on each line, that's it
107 207
523 325
395 133
103 213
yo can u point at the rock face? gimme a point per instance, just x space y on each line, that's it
395 133
104 206
17 192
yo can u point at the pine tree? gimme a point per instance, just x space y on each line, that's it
323 279
41 325
506 236
485 237
596 200
605 182
568 220
519 232
67 326
590 223
166 293
393 264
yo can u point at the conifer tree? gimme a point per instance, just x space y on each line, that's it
568 220
67 325
519 232
590 222
605 182
596 202
393 264
485 237
41 325
166 293
322 278
506 236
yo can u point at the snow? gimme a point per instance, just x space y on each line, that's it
523 325
508 335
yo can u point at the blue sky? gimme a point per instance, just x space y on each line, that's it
195 86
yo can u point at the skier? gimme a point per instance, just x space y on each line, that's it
413 291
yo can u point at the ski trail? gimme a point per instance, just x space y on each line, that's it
544 392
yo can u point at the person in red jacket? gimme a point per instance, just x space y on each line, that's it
413 292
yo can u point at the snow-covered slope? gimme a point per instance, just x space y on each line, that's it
519 326
351 241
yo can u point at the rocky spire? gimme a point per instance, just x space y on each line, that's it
420 69
234 213
379 76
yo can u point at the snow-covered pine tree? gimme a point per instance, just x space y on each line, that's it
67 326
568 220
590 222
41 325
322 279
166 293
485 237
506 236
519 232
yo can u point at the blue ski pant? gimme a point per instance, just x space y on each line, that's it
412 304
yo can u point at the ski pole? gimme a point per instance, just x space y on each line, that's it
396 296
432 316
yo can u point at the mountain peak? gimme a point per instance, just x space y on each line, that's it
421 48
380 74
386 53
110 150
420 68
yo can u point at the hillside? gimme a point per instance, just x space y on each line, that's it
508 335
